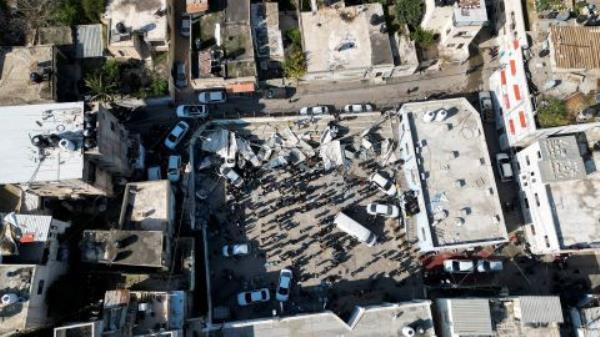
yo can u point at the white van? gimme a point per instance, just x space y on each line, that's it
348 225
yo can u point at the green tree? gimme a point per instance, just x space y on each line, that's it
552 112
99 87
93 9
294 35
294 65
409 12
67 13
423 37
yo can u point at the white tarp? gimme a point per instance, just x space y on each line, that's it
247 152
332 154
216 142
291 140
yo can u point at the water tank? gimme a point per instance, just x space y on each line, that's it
441 115
408 331
36 77
121 28
428 116
40 141
9 298
66 144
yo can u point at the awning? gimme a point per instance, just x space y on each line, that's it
240 87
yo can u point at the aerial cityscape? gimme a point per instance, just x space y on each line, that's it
300 168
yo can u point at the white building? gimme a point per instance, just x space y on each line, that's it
30 261
524 316
58 150
449 170
457 26
515 113
559 186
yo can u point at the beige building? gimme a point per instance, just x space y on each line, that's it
58 150
457 25
137 28
352 43
30 261
27 75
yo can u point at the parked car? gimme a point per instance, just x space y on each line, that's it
314 110
254 296
489 266
238 249
191 111
388 211
504 167
186 26
174 169
383 184
175 136
154 173
358 108
458 266
285 283
231 175
276 93
212 97
179 75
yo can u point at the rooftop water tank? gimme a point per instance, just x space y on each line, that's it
441 115
408 331
428 116
9 298
66 144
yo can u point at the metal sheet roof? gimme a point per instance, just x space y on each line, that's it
471 316
541 309
21 160
88 41
35 226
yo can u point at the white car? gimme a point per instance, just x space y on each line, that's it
285 283
383 184
212 97
504 167
231 175
489 266
174 169
175 136
191 111
186 26
236 250
388 211
458 266
314 110
358 108
254 296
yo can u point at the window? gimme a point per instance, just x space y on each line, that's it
539 154
112 126
451 45
460 45
547 241
533 229
378 74
537 199
447 31
40 289
460 34
121 53
526 202
527 160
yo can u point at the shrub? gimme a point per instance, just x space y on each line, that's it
552 112
423 37
93 9
409 12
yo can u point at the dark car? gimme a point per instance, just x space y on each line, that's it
277 92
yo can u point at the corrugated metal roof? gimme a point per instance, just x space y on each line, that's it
541 309
89 42
471 316
36 226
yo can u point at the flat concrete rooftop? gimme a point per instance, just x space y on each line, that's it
449 166
15 279
338 39
16 66
286 216
147 205
386 320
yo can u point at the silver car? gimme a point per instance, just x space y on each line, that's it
179 75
